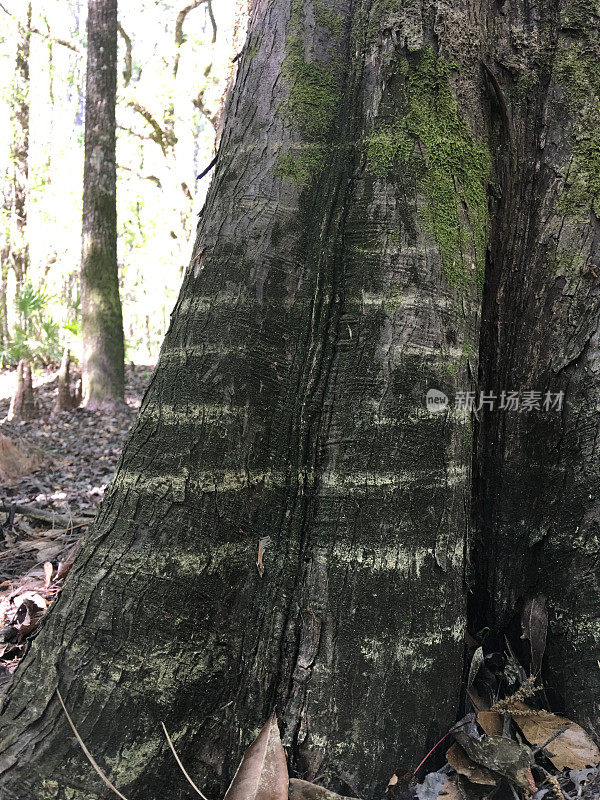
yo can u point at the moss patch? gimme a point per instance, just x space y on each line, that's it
327 17
312 102
429 137
575 14
577 68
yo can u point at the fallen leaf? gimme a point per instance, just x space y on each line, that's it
262 546
262 773
491 722
305 790
459 761
572 749
496 753
48 570
399 782
476 663
534 623
432 786
63 570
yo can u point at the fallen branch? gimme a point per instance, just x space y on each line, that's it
65 520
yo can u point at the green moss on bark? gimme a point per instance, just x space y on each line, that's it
312 102
429 137
577 69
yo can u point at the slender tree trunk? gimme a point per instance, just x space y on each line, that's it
4 268
288 523
102 320
19 151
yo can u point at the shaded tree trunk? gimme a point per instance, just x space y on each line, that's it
336 278
101 315
537 503
19 150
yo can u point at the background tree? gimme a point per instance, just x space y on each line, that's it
16 251
101 315
288 525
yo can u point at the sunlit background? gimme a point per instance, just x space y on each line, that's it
169 99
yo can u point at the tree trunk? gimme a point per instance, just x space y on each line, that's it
19 151
288 523
538 473
66 400
22 404
101 316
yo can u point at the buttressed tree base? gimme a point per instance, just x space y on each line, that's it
405 198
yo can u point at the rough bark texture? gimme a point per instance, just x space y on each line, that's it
66 399
538 473
335 279
19 150
22 404
101 316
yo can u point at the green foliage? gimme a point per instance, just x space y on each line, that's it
32 302
37 336
429 138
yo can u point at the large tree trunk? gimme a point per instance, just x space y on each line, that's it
335 279
101 315
538 473
19 149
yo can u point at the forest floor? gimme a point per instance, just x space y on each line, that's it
69 460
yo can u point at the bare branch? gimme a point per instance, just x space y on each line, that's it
212 20
43 34
151 178
128 68
179 36
160 135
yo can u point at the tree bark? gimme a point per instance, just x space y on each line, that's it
537 474
22 404
101 315
19 150
288 524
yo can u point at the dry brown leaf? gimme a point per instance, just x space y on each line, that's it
503 756
48 570
13 463
262 546
491 722
262 774
572 749
460 761
304 790
63 570
534 623
450 790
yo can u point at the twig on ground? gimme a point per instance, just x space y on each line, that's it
181 767
45 516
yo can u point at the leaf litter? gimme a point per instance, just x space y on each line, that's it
54 470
